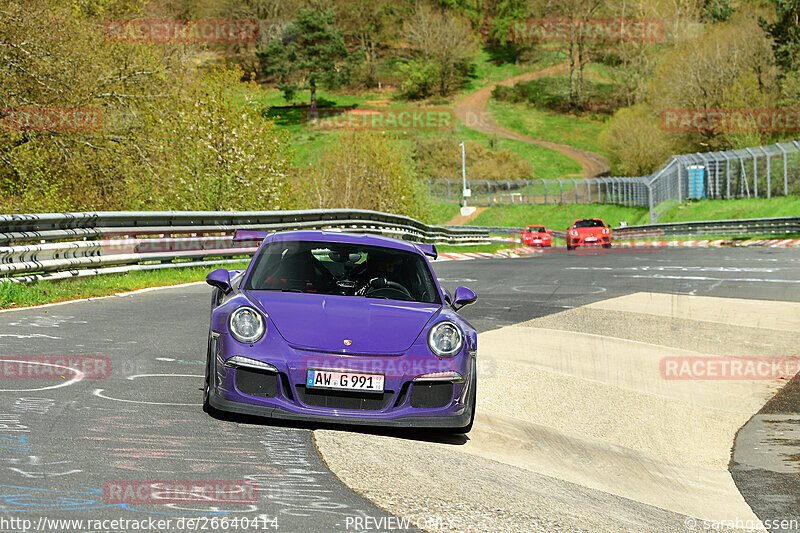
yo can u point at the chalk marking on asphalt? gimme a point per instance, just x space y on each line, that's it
30 336
701 278
163 375
682 268
78 376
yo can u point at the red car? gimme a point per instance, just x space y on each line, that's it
588 232
536 236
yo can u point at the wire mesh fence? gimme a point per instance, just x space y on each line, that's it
757 172
624 191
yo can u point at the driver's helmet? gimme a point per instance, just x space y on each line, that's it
383 264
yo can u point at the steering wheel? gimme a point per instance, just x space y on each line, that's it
392 286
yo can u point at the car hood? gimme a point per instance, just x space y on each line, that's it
324 322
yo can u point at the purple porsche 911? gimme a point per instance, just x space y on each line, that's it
337 327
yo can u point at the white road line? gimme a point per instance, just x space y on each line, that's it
701 278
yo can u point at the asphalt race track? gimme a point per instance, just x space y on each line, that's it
138 418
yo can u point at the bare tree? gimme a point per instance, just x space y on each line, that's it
441 38
577 44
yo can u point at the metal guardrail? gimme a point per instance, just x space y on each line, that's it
741 227
65 245
750 226
508 230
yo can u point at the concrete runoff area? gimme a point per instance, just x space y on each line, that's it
576 403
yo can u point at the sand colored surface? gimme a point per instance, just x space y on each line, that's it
735 312
592 416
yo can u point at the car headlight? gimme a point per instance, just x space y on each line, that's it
606 231
445 339
573 233
246 325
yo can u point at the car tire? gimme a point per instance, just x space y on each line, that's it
473 404
207 383
606 246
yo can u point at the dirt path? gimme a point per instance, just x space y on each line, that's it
461 220
472 111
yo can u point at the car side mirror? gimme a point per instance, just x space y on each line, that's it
221 279
448 298
549 232
464 296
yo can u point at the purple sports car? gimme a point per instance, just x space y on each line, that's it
329 326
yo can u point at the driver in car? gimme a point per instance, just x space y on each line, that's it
381 269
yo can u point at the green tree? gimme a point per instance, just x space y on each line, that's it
367 24
311 50
505 13
700 74
444 40
365 170
785 31
635 142
172 136
216 151
576 46
440 158
717 11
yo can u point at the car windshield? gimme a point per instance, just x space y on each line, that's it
537 229
344 269
589 224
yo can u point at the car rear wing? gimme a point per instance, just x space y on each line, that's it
250 235
428 249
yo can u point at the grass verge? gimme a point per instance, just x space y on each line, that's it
560 216
484 248
45 292
779 206
439 214
577 131
14 295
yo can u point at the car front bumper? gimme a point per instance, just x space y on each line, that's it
581 241
404 402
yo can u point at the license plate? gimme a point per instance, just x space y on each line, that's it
329 379
537 240
591 239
